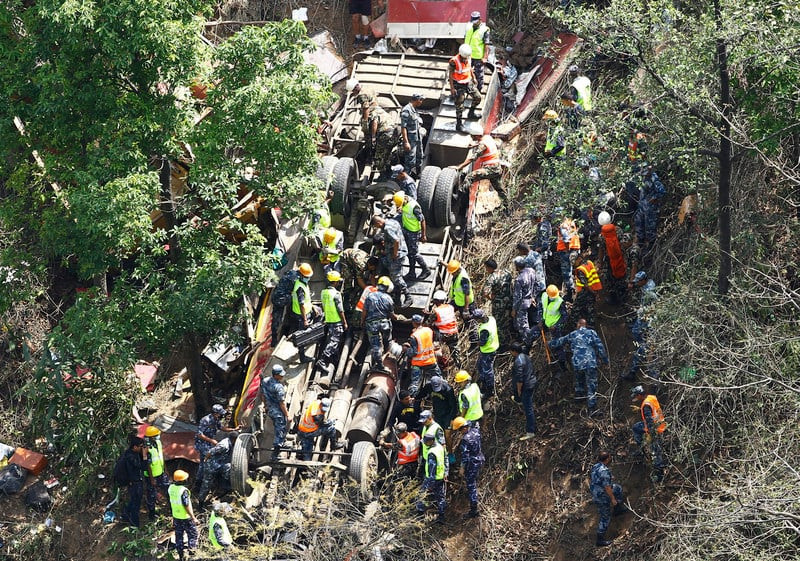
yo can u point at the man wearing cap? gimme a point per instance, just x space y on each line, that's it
442 399
435 469
523 386
406 410
382 137
313 424
650 429
207 429
407 446
478 37
335 320
486 156
587 348
404 180
411 132
523 308
217 466
376 317
641 326
442 316
489 342
462 84
497 288
155 475
462 296
414 231
472 460
394 254
429 426
605 494
580 89
421 353
133 465
274 393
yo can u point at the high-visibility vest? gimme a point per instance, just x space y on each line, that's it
445 320
553 132
324 217
438 450
329 307
658 417
551 309
490 156
426 354
583 86
615 258
306 301
462 73
574 240
434 429
364 293
156 454
226 534
475 39
307 422
493 342
473 394
332 252
410 221
592 278
457 292
409 449
633 148
178 510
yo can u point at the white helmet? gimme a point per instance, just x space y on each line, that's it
475 129
604 218
465 50
351 84
325 402
440 295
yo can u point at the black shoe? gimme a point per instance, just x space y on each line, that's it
306 359
405 300
338 445
424 274
473 115
460 125
602 541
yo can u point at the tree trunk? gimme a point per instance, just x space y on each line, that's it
201 385
725 163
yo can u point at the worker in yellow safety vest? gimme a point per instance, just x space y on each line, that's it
489 341
218 533
184 521
300 316
335 320
469 397
478 37
155 476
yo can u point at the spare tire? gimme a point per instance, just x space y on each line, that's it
445 206
325 169
426 189
344 173
240 463
363 467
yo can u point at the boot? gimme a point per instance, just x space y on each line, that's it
601 540
472 114
304 358
424 274
473 511
459 123
405 299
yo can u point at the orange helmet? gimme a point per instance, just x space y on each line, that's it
180 475
306 270
552 291
453 266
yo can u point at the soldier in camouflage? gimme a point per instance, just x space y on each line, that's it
641 325
497 289
217 466
411 132
281 296
274 393
382 138
586 349
472 459
605 494
395 253
524 306
376 317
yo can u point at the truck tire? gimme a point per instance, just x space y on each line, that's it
240 463
444 207
363 467
426 189
325 169
344 172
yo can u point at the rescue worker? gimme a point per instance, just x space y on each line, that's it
533 259
469 397
650 429
421 353
406 410
413 223
640 328
523 386
155 476
568 246
508 77
580 88
636 148
489 341
274 394
633 257
462 84
183 520
478 37
462 296
554 317
218 533
377 315
443 400
588 286
436 468
382 138
605 494
651 191
544 234
300 314
134 464
497 288
428 425
523 308
407 446
354 268
610 247
335 321
207 429
486 158
395 252
554 143
313 424
217 467
405 181
411 132
360 13
281 297
572 112
443 319
332 246
472 460
321 215
586 349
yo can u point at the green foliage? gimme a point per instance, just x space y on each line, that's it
138 545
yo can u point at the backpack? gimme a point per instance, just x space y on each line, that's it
283 292
121 472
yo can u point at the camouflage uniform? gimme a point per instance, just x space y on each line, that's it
354 264
640 330
281 297
601 478
434 487
586 348
524 305
498 288
472 459
566 257
184 527
409 187
392 232
385 138
274 394
378 308
651 191
209 426
412 160
218 466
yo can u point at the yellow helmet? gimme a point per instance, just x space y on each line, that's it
151 431
334 276
385 281
552 291
329 235
399 198
459 422
180 475
462 376
453 266
306 270
550 115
